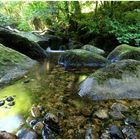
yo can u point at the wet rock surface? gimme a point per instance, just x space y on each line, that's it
13 65
93 49
7 102
124 51
6 135
26 134
81 58
119 80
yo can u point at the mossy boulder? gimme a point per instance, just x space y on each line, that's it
93 49
118 80
124 52
81 58
12 64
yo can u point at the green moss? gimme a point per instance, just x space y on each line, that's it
116 70
11 56
80 57
125 52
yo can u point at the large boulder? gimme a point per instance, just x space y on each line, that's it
13 64
93 49
23 45
118 80
124 52
81 58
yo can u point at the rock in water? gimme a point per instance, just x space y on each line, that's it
47 133
9 99
93 49
38 127
26 134
119 107
13 65
119 80
124 51
129 132
81 58
6 135
102 113
116 133
2 102
35 112
89 134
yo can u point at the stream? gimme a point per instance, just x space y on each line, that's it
55 89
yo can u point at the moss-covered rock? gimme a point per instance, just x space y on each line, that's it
124 52
93 49
119 80
12 64
81 58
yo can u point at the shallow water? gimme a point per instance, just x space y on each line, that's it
57 90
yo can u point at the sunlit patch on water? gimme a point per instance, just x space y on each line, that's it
10 123
10 116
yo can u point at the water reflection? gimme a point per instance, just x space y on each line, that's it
10 123
10 116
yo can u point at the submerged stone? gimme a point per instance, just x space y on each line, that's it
102 113
116 133
124 52
89 134
2 102
35 112
81 58
9 99
119 80
47 133
6 135
38 127
129 132
12 103
119 107
25 133
131 121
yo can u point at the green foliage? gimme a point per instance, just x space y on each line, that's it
107 17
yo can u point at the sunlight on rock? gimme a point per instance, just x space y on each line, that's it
82 78
125 88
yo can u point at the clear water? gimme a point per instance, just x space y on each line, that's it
56 89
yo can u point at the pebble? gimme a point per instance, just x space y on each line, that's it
2 102
116 133
129 132
50 117
105 135
6 135
11 103
119 107
25 133
89 134
33 122
38 127
35 112
130 121
47 133
9 99
116 115
102 113
26 81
